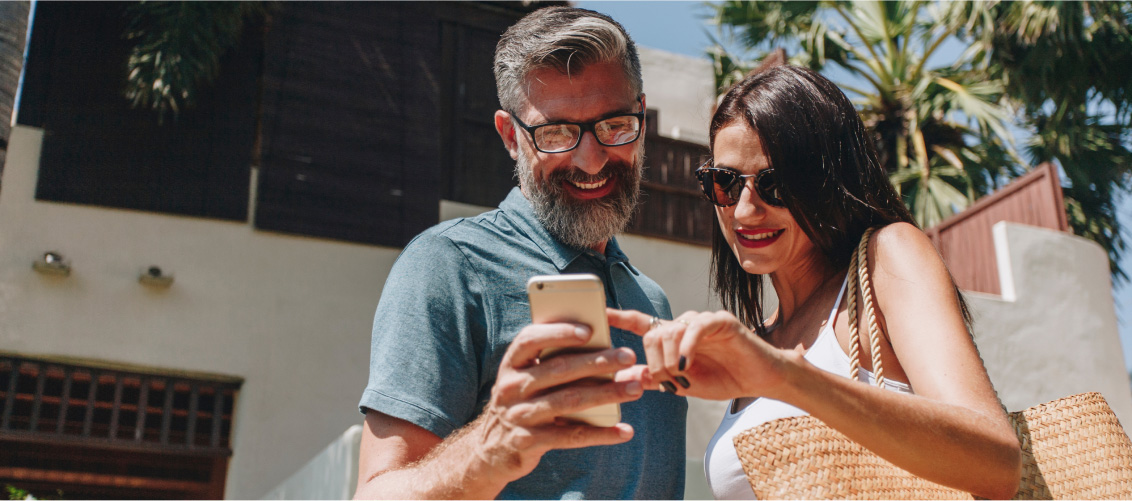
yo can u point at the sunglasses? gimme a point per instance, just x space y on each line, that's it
723 186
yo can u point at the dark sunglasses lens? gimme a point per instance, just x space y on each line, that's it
720 186
768 189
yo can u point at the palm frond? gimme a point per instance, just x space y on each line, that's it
177 48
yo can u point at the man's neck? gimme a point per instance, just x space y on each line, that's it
600 248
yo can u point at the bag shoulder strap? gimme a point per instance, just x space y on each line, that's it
860 283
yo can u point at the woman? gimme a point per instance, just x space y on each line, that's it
796 182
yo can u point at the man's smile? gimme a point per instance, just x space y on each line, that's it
590 190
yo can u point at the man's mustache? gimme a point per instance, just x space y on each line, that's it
576 175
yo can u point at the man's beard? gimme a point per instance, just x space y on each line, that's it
583 223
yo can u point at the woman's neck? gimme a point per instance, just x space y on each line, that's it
796 285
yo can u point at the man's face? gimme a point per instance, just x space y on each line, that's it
586 195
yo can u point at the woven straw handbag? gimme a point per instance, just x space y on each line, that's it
1072 448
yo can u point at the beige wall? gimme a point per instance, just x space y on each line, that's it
682 88
1053 331
291 315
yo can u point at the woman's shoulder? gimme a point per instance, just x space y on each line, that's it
903 250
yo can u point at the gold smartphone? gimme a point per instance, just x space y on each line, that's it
575 298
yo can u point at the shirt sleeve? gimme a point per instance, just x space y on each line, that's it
424 362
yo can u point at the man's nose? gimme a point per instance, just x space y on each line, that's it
590 156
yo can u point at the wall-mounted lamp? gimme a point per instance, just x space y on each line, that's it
153 275
52 263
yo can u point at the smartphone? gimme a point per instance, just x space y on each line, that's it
575 298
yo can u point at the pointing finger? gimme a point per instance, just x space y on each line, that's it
629 320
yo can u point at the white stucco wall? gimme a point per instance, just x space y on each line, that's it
1053 332
331 474
291 315
682 88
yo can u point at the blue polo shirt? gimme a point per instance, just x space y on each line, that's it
453 302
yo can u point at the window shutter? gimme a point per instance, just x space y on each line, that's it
99 151
350 122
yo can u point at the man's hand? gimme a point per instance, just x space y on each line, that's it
522 421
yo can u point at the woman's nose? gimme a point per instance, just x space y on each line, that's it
750 206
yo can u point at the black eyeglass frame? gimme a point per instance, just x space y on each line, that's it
707 186
585 127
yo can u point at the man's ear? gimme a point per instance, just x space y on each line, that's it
644 106
506 130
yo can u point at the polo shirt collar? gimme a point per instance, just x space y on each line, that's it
519 209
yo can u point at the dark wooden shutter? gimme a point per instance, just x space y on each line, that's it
672 206
99 151
351 122
478 169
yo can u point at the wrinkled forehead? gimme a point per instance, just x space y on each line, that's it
583 93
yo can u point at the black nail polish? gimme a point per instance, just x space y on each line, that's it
683 381
668 386
683 363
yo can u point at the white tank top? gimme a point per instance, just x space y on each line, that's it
721 464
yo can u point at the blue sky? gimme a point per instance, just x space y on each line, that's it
682 27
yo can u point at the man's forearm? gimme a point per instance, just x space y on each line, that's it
457 468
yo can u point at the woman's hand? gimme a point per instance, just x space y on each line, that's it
706 355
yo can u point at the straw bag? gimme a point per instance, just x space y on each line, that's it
1072 448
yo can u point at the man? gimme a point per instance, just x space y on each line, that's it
458 402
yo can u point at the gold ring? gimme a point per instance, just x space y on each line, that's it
654 323
685 322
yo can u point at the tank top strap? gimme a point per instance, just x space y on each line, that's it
837 304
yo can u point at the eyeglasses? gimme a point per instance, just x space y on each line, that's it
723 186
560 137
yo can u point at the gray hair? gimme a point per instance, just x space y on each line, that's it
566 39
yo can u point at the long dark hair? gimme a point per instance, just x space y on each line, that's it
827 172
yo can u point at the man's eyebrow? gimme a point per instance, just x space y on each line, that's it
624 111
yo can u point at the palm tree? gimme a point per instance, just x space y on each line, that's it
177 49
934 125
1061 67
13 33
1067 64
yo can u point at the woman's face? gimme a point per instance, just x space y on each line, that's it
764 238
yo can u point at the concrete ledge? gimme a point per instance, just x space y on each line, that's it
332 474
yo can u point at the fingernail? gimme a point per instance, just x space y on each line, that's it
624 357
668 386
625 431
683 381
634 388
683 363
582 332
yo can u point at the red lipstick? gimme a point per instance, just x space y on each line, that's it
766 237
